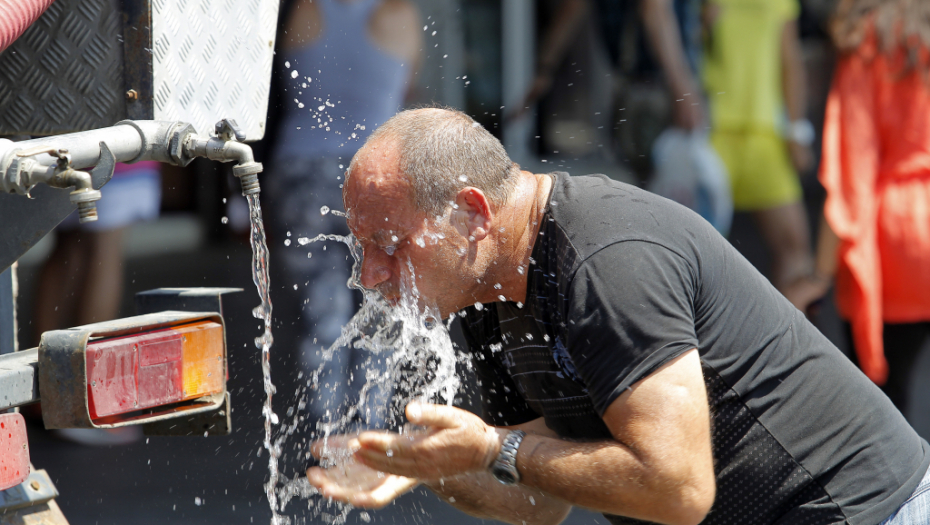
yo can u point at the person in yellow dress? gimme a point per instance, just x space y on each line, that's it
755 83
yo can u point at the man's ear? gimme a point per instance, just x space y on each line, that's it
472 217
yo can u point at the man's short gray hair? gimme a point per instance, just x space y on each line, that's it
444 150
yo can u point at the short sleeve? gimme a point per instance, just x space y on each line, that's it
630 310
501 404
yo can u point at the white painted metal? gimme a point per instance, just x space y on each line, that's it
211 60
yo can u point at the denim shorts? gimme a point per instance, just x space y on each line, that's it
916 510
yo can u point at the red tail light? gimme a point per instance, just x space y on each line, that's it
14 450
133 373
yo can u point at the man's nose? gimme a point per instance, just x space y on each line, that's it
375 268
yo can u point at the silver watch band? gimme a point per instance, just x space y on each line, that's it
504 467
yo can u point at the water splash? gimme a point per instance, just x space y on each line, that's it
264 342
418 363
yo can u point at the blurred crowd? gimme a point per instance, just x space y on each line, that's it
724 105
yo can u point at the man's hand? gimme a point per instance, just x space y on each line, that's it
455 442
348 481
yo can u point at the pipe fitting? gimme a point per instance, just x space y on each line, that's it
215 148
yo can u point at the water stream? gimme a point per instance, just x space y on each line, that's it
264 341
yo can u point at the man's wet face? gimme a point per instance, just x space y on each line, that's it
396 237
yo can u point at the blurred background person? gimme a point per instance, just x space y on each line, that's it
82 281
875 234
637 40
344 66
754 77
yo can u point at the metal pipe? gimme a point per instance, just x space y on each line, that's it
24 164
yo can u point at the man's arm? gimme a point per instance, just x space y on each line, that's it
481 495
658 467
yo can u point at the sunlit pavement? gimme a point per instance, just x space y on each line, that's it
213 480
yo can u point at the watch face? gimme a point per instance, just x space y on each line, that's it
504 475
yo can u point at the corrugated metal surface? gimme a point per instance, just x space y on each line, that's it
65 72
192 60
212 59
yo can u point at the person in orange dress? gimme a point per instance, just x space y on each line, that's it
875 237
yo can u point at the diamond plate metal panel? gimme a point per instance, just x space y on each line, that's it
212 60
64 73
87 64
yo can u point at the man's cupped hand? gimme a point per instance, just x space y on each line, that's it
371 469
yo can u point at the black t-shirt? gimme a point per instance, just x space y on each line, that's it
622 281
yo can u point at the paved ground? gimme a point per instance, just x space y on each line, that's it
159 480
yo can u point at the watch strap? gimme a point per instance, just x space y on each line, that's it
504 467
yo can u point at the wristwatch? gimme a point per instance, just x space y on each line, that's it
504 468
801 131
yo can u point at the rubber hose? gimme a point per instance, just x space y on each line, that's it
16 16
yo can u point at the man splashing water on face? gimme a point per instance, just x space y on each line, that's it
630 360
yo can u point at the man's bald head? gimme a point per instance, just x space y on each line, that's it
441 151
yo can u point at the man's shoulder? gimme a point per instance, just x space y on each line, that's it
593 212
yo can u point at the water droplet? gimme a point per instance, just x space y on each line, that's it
502 298
546 337
389 453
532 501
393 238
434 33
420 242
224 220
463 178
258 312
224 200
294 74
520 270
479 306
320 108
519 304
365 517
198 501
287 242
496 347
324 210
295 286
497 286
303 241
287 64
529 337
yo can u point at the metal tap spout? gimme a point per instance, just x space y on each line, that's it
226 147
60 175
